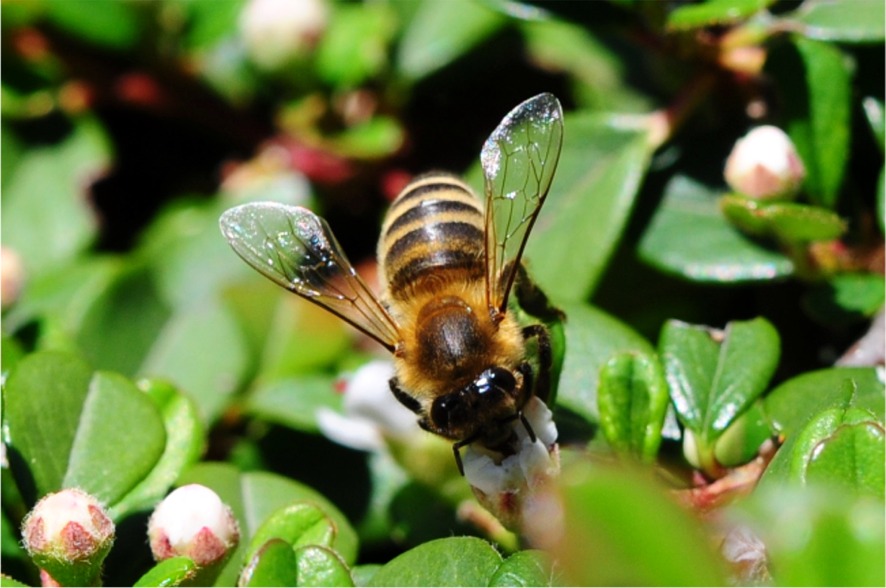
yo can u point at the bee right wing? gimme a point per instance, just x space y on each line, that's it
296 249
518 160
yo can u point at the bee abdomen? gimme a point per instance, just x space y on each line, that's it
433 235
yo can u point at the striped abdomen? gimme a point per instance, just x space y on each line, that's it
432 236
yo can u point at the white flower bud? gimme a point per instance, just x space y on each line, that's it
277 31
765 165
194 522
69 534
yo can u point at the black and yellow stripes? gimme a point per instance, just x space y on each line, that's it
433 234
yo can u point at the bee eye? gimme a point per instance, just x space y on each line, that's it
495 378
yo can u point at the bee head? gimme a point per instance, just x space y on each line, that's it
489 397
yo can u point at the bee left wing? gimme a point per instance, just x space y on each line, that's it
518 160
296 249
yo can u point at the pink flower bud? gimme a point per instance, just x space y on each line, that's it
12 276
764 164
68 535
193 521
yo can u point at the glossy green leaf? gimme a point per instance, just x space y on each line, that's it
819 536
320 566
819 110
792 404
787 221
633 397
169 572
592 338
185 442
524 568
876 117
440 32
67 425
843 447
254 496
827 20
689 236
453 561
46 217
714 12
715 376
619 528
293 402
602 164
273 564
300 523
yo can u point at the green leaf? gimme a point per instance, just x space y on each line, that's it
273 564
618 528
633 398
169 572
842 447
300 523
740 443
819 536
453 561
826 20
592 338
46 217
690 237
787 221
320 566
66 425
714 376
440 32
354 48
123 321
714 12
11 582
294 402
524 568
845 298
816 93
185 441
202 351
794 403
108 23
602 164
874 114
254 496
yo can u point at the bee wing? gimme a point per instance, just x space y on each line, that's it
295 248
518 160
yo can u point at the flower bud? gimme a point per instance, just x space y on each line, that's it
193 522
506 487
764 165
278 31
12 276
68 535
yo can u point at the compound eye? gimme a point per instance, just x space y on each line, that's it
496 377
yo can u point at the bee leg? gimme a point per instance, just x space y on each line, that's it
455 451
532 299
545 359
405 399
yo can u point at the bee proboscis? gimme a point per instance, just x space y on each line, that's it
448 262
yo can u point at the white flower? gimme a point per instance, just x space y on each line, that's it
371 412
764 164
69 524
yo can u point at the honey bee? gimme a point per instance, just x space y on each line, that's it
448 264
